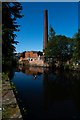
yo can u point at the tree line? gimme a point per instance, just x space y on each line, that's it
63 51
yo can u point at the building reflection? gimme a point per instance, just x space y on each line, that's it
31 70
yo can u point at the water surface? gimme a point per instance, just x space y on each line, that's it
46 94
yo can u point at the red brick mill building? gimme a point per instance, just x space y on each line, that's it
34 58
31 55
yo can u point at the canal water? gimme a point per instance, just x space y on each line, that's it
44 94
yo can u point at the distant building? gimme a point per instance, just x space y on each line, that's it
31 55
33 58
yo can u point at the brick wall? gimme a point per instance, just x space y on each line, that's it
31 55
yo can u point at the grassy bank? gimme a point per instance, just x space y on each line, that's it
10 106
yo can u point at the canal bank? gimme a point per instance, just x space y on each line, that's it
10 108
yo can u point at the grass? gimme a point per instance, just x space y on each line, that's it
9 110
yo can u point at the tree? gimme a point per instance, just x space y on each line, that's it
58 48
76 47
10 12
51 33
51 42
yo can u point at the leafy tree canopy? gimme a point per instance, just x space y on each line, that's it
59 47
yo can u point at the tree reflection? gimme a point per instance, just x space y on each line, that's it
62 88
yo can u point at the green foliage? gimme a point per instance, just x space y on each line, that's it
5 76
10 12
59 48
51 33
76 53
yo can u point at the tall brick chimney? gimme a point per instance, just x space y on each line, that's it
45 41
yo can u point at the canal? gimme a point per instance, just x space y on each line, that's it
44 94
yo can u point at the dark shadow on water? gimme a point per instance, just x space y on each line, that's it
44 94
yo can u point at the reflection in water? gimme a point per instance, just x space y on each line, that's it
45 94
60 94
34 76
32 70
